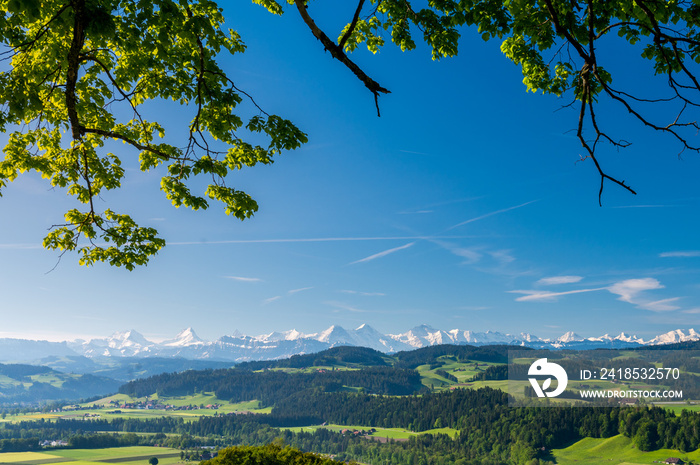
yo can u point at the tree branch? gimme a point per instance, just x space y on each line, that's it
128 140
338 54
355 18
73 65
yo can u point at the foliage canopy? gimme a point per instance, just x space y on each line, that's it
74 67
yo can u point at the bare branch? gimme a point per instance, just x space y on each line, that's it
338 54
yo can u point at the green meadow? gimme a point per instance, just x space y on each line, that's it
462 370
390 433
121 455
617 450
105 409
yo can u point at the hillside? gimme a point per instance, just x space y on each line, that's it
34 384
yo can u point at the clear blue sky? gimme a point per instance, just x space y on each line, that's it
461 207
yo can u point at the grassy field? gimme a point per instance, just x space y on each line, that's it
617 450
390 433
104 409
121 455
463 371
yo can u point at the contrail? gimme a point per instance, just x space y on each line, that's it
383 254
489 214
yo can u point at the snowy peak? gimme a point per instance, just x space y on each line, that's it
185 338
334 335
569 337
239 347
291 335
131 338
422 336
626 338
676 336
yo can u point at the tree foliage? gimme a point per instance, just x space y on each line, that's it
76 67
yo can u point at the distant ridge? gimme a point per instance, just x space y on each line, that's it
239 347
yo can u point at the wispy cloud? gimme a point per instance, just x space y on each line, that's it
383 253
552 280
20 246
643 206
502 256
316 239
244 279
416 212
415 153
630 291
294 291
470 255
290 292
344 306
367 294
681 253
661 305
543 295
471 220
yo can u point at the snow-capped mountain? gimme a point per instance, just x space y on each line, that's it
335 335
366 336
672 337
121 344
184 338
239 347
569 337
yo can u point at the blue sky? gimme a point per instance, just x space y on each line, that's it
463 206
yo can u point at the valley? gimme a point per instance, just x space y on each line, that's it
443 404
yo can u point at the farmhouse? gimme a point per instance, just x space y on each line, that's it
674 461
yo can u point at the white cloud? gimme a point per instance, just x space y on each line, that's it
680 253
271 299
559 280
244 279
383 254
551 296
629 289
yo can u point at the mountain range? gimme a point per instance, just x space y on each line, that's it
239 347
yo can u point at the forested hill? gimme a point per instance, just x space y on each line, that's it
429 355
342 356
342 368
357 357
270 386
29 383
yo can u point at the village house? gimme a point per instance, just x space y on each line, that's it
674 461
